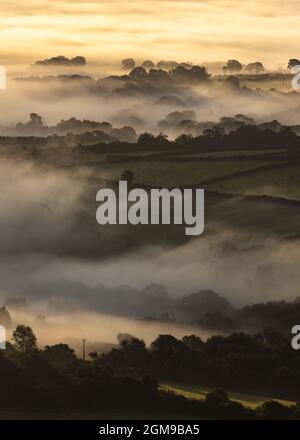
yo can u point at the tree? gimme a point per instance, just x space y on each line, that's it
215 397
199 73
148 64
184 138
293 62
124 337
167 348
35 121
138 73
196 73
158 75
273 410
162 138
135 352
94 355
60 60
78 61
186 65
128 64
194 342
150 382
24 338
255 68
128 176
232 66
146 138
59 355
166 65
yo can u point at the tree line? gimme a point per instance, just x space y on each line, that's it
126 377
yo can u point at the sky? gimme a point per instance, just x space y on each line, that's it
185 30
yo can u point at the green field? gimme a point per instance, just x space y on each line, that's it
199 393
170 174
226 154
284 182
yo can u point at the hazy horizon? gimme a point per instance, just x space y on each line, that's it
186 30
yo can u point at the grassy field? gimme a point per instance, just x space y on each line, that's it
284 182
199 393
164 173
225 154
272 83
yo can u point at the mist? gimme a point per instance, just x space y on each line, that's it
52 251
141 107
99 330
45 253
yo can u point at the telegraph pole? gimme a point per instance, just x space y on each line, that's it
83 349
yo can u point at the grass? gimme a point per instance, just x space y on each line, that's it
199 393
283 182
179 173
227 154
271 83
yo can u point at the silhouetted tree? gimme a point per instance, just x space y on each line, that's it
146 139
167 348
135 352
128 176
150 382
158 75
59 355
167 65
255 67
162 138
128 64
195 74
194 342
187 65
35 121
93 355
216 397
293 62
24 338
138 73
124 337
60 60
232 66
148 64
184 139
273 410
78 61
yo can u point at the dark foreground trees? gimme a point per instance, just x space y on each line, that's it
124 380
263 364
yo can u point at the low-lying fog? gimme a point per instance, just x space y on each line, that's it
42 250
100 331
38 208
140 106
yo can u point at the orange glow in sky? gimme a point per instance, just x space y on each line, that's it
198 31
